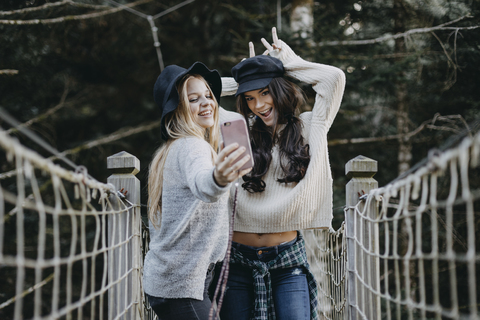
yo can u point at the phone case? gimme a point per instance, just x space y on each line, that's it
236 131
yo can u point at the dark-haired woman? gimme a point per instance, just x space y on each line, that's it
289 188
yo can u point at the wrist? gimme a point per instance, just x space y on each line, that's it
217 180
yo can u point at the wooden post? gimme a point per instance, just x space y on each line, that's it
124 233
361 170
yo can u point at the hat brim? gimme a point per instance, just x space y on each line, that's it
211 76
251 85
170 102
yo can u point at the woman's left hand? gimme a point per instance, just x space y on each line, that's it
279 49
275 48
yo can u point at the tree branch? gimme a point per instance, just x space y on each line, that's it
75 17
398 35
119 134
51 5
429 124
9 71
43 116
29 290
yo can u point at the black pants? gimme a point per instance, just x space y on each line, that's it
185 308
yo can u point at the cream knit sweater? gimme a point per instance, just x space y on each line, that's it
308 203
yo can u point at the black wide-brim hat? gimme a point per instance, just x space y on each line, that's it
256 72
165 91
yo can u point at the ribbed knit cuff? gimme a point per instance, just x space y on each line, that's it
229 86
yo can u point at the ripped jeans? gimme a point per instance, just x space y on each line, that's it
289 287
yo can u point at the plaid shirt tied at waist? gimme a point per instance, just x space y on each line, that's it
295 256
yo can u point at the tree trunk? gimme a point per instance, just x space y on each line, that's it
404 145
301 19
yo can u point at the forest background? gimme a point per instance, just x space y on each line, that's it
80 73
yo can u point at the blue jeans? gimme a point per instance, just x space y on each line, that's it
289 286
183 309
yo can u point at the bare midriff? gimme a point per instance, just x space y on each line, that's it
259 240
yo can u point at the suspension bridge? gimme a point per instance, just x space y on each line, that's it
73 247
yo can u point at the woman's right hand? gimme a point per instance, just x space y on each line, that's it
225 171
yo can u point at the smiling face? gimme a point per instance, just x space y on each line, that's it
260 102
201 103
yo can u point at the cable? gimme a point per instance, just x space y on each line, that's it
153 27
39 141
451 141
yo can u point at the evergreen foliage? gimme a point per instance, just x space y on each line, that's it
107 66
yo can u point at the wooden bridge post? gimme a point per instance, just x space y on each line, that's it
124 233
360 233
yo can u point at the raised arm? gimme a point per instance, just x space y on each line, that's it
327 81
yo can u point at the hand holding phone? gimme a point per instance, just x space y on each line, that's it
236 131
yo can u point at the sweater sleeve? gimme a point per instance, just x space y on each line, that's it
226 115
327 81
229 86
195 164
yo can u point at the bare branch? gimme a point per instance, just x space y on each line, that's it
43 116
398 35
52 5
74 17
158 15
122 133
119 134
429 124
453 77
9 71
29 290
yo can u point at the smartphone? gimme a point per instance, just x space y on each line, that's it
236 131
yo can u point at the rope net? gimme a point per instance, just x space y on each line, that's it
417 254
414 251
70 247
326 253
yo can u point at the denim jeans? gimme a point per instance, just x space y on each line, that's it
289 286
185 308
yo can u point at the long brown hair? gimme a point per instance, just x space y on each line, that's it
178 124
294 153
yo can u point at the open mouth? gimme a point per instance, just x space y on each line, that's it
266 113
205 113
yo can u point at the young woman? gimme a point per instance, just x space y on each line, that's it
187 188
289 188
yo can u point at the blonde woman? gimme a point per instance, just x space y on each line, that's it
187 188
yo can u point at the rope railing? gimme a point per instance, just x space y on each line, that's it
69 245
73 247
327 256
422 240
407 250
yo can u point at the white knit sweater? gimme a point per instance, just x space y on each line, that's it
308 203
194 225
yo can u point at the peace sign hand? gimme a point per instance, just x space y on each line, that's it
274 49
252 50
276 44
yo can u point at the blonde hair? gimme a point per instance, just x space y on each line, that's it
178 124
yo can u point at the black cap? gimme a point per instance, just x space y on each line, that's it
256 72
165 91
